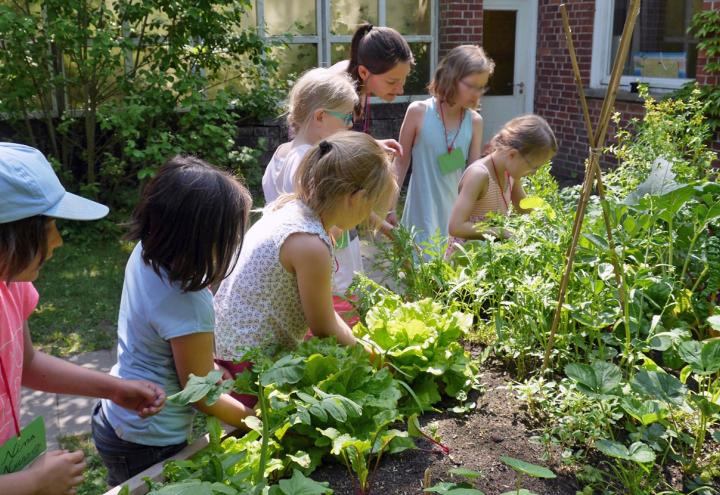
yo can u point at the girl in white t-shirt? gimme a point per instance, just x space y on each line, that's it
320 104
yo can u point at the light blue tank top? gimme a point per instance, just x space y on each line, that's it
431 194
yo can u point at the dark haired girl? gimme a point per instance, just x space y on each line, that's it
190 223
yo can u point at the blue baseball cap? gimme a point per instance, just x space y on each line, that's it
29 187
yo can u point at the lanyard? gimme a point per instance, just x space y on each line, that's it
497 179
10 398
442 118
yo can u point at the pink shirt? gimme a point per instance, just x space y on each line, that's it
17 301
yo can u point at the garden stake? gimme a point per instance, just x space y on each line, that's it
592 170
619 280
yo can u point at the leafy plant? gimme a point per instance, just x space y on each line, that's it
527 469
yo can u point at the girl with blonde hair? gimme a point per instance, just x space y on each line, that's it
281 284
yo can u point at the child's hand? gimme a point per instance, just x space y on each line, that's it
58 472
226 375
141 396
391 147
391 218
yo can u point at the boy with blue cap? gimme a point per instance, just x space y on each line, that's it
31 197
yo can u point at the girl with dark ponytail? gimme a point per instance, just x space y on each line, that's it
380 61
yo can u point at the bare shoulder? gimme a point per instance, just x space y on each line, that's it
416 110
304 249
475 178
476 117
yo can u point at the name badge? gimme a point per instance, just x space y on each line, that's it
451 161
18 452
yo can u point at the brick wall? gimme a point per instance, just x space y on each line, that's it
556 96
702 76
460 23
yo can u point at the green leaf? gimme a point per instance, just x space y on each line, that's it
299 484
527 468
197 387
645 411
447 488
703 405
658 385
286 371
714 322
466 473
521 491
638 451
703 357
600 380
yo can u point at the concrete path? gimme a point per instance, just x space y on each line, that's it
65 414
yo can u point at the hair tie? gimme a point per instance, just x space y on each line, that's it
325 147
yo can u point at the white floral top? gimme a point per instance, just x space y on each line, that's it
258 304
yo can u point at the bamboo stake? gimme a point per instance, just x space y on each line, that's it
598 173
596 144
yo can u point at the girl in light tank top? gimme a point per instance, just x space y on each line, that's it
492 183
444 133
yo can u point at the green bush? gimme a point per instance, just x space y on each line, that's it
120 87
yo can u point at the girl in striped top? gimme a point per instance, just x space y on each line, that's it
492 183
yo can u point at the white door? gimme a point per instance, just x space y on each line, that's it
509 38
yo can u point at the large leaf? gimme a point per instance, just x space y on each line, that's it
299 484
197 387
638 451
703 357
600 380
287 370
645 411
659 385
527 468
447 488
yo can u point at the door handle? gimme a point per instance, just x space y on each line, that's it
521 87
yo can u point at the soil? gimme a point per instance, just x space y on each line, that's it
497 427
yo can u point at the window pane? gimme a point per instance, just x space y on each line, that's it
420 75
409 16
296 17
499 41
296 58
347 15
338 52
660 45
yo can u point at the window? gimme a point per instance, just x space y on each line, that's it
662 53
318 32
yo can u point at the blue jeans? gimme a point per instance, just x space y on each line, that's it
125 459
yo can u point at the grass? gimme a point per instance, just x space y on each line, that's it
94 482
80 290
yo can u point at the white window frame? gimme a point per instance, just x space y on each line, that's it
600 66
325 38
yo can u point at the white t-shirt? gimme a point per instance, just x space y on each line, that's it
280 172
279 178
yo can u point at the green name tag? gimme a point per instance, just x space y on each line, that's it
344 240
452 161
20 451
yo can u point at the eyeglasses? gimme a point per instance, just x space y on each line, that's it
347 118
478 89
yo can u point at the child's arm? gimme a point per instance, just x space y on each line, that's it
473 186
51 374
408 132
475 151
518 194
307 256
53 473
193 353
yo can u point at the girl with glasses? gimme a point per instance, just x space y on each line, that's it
444 133
492 183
